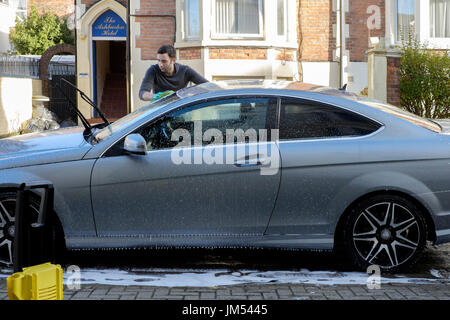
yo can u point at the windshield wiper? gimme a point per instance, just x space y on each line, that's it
83 119
89 101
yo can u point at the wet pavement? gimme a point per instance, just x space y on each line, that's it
238 274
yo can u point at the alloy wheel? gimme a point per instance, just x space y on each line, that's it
386 234
7 229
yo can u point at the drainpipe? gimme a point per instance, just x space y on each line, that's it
341 40
128 57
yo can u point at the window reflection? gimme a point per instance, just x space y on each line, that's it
405 19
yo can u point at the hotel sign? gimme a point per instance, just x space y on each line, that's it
108 25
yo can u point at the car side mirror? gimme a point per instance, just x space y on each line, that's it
135 144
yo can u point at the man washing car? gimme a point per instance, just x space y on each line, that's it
167 75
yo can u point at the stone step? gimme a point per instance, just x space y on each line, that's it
114 96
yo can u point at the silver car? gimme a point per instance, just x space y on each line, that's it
253 164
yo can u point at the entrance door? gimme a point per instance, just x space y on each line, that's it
110 72
109 64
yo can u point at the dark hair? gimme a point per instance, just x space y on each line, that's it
170 50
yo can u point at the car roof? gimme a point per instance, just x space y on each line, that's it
215 86
242 84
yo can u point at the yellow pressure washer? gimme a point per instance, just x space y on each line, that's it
37 280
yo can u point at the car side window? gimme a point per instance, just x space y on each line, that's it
246 114
304 119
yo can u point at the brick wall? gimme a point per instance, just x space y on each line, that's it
157 25
62 8
359 32
89 3
285 55
190 54
315 31
238 53
393 80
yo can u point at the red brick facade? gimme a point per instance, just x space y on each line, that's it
190 54
157 25
155 32
285 55
238 53
89 3
61 8
315 30
357 18
393 80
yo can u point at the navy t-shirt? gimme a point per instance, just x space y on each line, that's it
157 81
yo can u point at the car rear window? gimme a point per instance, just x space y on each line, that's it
305 119
405 115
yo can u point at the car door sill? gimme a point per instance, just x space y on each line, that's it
314 242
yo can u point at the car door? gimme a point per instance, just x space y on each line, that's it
319 147
191 182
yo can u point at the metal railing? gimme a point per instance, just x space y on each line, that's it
58 69
19 67
28 67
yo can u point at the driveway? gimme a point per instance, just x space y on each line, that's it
226 274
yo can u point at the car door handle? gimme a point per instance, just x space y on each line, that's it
243 164
249 162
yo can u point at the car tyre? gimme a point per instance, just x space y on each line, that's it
385 230
7 219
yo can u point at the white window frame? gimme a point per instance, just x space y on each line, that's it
423 13
215 35
15 6
422 23
187 36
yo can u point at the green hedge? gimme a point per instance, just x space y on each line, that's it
425 80
38 32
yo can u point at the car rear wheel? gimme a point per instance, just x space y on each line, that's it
7 230
385 230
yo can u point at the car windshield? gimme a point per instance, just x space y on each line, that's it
136 115
403 114
132 117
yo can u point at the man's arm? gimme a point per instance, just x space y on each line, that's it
195 77
146 90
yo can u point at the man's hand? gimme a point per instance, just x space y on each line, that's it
162 94
147 96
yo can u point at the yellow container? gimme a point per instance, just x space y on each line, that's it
41 282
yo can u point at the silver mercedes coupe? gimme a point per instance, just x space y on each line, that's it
256 164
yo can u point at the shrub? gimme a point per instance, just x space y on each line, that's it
37 33
425 80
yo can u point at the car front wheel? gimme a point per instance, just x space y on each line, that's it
7 228
388 231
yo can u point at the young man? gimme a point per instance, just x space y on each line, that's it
167 75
